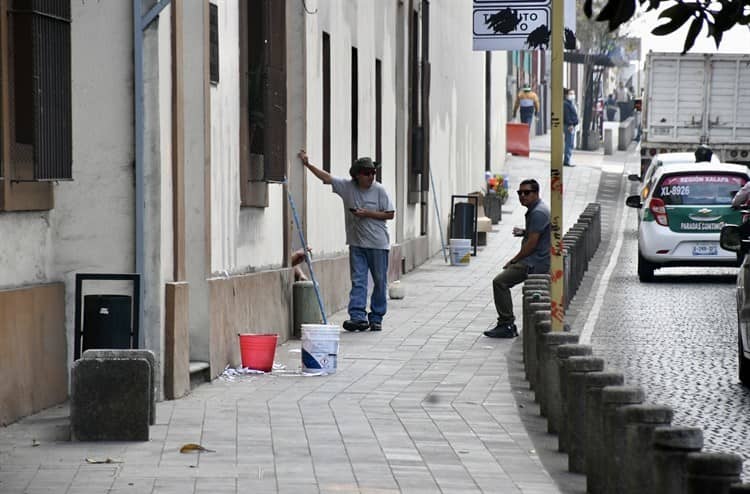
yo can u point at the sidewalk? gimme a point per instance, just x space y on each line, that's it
424 406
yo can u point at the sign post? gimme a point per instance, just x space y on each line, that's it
557 126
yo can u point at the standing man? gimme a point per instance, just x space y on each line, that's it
570 120
528 102
533 257
367 206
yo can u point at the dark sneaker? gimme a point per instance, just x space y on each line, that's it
506 330
568 164
376 326
351 325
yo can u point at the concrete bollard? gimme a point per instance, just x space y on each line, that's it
594 436
304 306
550 365
613 398
537 303
638 425
572 437
671 447
543 326
712 472
532 293
565 352
539 312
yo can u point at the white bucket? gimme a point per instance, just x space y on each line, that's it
320 347
460 249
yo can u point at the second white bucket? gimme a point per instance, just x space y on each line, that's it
460 250
320 347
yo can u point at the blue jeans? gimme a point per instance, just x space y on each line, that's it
362 260
568 145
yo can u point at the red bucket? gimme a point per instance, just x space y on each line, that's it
258 350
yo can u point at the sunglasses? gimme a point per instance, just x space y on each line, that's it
525 192
367 173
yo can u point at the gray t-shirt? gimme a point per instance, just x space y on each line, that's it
364 232
537 221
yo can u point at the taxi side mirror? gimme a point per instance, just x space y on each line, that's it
730 238
634 202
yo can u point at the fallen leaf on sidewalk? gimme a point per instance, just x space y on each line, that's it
191 447
103 460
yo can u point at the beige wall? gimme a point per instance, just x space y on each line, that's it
33 356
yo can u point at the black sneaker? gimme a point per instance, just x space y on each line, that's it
351 325
505 330
376 326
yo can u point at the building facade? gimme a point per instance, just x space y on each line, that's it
161 139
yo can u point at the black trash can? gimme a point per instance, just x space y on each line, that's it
107 321
463 221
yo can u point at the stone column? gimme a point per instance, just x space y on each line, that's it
573 438
564 353
594 438
671 447
613 398
549 403
639 422
712 472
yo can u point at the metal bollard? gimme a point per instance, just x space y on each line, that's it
539 312
565 352
572 438
613 398
594 436
712 472
549 403
671 447
543 326
638 424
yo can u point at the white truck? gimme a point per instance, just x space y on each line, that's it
696 99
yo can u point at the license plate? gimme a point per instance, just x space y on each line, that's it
705 250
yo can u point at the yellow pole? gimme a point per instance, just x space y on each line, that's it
556 166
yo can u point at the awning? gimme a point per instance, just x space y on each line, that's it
600 60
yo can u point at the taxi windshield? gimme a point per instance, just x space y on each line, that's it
699 189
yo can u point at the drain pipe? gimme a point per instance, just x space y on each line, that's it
140 24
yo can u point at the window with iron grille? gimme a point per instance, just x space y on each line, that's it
35 45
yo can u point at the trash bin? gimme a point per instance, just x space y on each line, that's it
463 220
107 321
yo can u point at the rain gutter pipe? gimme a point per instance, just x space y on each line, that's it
140 24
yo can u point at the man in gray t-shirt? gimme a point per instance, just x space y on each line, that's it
533 257
367 207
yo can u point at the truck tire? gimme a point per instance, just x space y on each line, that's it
645 269
744 363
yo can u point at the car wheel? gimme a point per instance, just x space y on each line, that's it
744 363
645 269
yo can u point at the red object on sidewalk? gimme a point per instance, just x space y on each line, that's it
517 138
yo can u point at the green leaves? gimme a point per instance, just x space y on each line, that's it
719 16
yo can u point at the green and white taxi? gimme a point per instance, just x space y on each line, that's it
682 214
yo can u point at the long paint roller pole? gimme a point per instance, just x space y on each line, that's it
307 254
437 212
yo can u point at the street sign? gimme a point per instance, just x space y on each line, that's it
516 25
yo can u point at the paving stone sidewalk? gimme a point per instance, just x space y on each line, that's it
424 406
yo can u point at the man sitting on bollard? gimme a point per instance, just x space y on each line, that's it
533 257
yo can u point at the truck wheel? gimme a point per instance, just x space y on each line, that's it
744 363
645 270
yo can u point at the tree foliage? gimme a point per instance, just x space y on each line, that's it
718 16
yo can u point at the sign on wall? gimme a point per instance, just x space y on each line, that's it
518 25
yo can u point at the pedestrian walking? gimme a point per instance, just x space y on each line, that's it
533 257
528 102
611 107
367 207
570 120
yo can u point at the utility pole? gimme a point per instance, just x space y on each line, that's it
556 167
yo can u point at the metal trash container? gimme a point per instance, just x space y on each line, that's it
107 321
